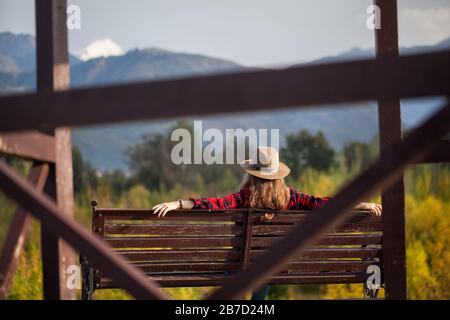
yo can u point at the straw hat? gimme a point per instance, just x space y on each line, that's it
267 166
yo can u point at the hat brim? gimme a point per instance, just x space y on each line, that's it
283 171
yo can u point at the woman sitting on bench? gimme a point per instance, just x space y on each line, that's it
263 187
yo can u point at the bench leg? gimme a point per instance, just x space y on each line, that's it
87 282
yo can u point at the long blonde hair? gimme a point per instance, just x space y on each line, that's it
266 194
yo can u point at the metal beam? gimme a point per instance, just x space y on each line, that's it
408 76
382 173
52 65
60 225
17 232
32 145
440 154
390 133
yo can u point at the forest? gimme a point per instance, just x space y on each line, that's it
316 168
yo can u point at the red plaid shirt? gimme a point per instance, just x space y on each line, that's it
239 199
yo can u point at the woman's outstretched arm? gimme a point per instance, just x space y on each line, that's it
305 201
231 201
161 209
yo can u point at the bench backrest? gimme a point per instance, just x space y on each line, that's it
202 248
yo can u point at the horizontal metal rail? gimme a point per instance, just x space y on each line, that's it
34 145
404 77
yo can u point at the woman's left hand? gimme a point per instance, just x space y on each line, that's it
162 208
372 207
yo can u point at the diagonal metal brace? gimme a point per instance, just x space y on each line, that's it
381 174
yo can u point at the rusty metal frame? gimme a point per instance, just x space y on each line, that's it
381 174
35 146
387 78
390 132
61 225
440 154
52 74
303 86
17 232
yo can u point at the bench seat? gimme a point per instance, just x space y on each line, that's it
192 248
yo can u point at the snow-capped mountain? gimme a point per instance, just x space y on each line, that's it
100 48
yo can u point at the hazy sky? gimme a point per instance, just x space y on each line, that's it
250 32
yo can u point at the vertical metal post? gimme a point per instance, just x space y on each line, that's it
393 198
53 74
247 227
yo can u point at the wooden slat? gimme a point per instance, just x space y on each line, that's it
328 266
17 232
234 215
299 266
176 215
199 280
218 280
300 216
172 229
178 255
291 267
175 242
408 76
390 133
329 253
189 266
35 146
348 227
42 207
331 240
320 278
380 174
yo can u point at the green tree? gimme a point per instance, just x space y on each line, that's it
137 197
357 155
307 150
228 182
118 181
83 173
151 164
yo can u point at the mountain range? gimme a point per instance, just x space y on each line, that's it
103 146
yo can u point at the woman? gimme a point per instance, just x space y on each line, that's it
263 187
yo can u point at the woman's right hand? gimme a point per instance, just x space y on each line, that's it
162 208
374 208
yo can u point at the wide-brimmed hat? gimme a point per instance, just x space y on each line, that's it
267 165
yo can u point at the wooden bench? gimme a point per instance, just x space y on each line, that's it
191 248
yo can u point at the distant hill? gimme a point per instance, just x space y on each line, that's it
103 146
358 53
18 62
145 64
